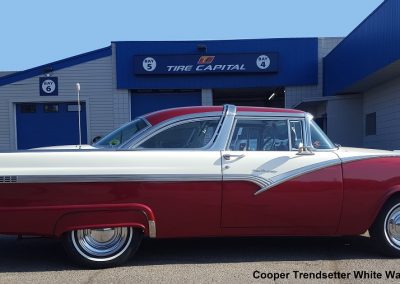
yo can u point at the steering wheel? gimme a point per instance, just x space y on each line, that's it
269 144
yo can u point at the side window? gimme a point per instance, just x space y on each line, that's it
296 133
260 135
191 135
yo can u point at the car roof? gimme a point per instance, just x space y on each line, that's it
163 115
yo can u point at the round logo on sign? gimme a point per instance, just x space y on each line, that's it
149 64
263 62
48 86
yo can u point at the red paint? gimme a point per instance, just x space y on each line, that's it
367 185
317 203
162 115
311 202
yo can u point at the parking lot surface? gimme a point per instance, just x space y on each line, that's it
235 260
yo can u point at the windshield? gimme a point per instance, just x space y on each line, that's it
122 134
318 138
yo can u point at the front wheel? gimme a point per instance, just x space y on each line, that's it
386 229
102 247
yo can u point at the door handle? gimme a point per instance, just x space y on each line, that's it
229 156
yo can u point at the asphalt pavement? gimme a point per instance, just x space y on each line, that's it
216 260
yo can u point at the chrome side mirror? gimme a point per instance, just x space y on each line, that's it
303 150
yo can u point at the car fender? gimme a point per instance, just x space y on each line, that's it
103 216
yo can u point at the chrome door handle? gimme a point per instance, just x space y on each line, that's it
229 156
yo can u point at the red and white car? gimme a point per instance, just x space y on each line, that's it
202 172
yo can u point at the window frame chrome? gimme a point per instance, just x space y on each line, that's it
288 118
173 123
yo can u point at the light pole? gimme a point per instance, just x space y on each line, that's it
78 89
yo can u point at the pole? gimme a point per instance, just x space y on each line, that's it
78 89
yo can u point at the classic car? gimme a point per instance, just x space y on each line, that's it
208 171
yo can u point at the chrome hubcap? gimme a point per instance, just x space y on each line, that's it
102 244
392 226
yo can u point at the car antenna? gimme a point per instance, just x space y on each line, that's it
78 89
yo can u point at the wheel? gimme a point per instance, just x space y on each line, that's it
103 247
386 229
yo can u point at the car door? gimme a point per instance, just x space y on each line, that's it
186 175
268 184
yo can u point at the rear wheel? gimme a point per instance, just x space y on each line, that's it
102 247
386 228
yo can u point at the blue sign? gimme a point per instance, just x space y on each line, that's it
48 86
199 64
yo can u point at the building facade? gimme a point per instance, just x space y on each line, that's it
351 85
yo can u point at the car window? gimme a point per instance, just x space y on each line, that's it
296 133
192 135
318 138
122 134
260 135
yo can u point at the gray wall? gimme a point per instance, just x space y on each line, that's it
385 101
295 95
97 89
345 125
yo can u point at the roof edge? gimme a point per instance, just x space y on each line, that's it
56 65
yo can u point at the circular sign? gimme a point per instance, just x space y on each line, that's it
48 86
149 64
263 62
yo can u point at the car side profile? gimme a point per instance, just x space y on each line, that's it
207 171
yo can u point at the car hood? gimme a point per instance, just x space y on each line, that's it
65 147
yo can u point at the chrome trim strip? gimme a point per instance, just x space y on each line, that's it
365 157
221 141
276 180
174 122
117 178
137 139
271 114
152 229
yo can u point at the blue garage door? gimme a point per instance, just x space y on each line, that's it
49 124
145 103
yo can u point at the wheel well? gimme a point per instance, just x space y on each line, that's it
392 196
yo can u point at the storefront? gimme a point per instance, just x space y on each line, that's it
350 85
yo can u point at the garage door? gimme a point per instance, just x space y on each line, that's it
49 124
149 102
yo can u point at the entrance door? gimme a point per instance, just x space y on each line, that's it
143 103
268 184
49 124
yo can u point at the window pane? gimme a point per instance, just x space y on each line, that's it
122 134
296 133
318 138
196 134
370 124
260 135
51 108
28 108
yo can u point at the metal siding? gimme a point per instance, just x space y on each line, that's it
57 65
298 64
385 101
374 44
97 91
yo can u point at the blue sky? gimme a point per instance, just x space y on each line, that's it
41 31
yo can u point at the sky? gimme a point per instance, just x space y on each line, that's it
38 32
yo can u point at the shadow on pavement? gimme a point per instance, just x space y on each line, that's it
31 255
